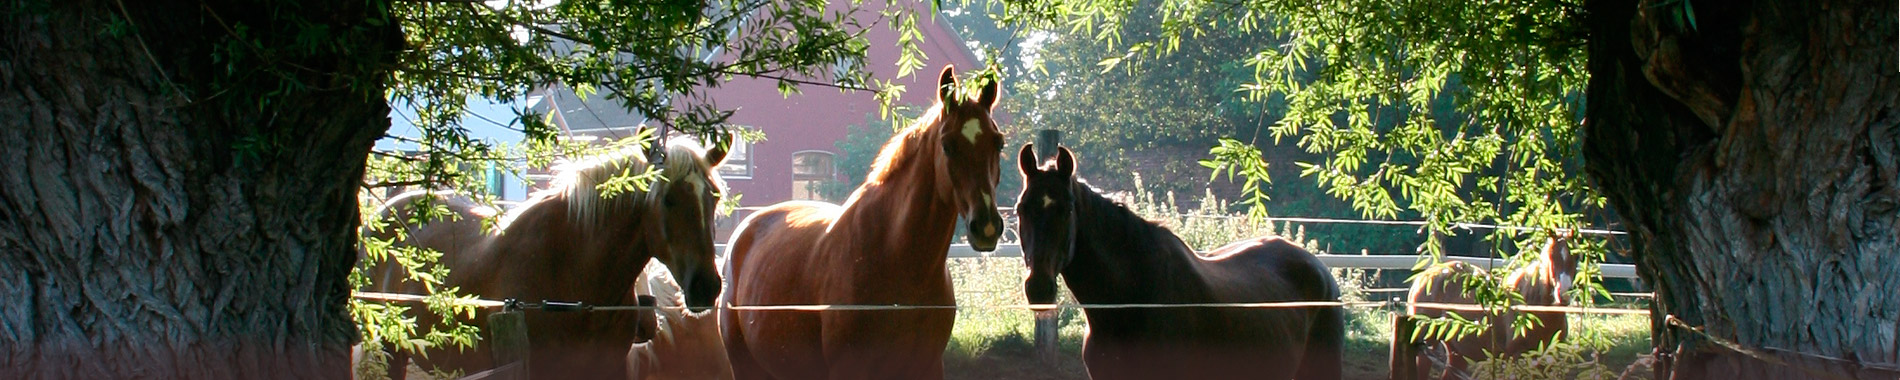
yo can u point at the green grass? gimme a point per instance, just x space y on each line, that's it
997 344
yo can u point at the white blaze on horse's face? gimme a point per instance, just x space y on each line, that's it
1564 282
970 129
1048 201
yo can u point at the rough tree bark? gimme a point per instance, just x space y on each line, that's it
1754 157
151 225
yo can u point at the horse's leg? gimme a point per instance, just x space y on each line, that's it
744 366
1455 364
1422 360
1325 345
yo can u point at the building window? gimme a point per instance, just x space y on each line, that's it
738 160
811 171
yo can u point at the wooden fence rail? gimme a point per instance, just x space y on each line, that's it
959 251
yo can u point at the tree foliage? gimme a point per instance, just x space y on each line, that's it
1185 98
1360 81
646 56
857 151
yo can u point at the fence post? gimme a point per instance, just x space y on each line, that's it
1402 363
509 333
1046 334
1047 344
1046 142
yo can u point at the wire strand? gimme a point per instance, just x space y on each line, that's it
893 307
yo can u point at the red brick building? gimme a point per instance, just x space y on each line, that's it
801 130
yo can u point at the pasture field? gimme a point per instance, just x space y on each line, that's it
993 344
998 344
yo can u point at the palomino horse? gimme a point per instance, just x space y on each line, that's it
1108 255
887 245
686 346
1544 283
570 243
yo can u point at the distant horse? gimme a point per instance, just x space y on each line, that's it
1544 283
569 243
686 347
1108 255
887 245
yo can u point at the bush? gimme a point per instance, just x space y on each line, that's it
1208 226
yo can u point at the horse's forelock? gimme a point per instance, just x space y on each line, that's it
686 159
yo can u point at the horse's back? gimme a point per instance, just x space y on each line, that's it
1443 283
1298 275
781 235
1225 342
452 235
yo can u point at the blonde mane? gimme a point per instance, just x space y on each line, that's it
578 182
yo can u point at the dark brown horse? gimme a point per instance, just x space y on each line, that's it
1544 283
569 243
887 245
1108 255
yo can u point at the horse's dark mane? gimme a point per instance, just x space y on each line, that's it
1119 226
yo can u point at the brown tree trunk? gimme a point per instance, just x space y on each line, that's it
1753 156
162 216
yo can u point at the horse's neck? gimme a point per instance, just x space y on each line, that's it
1538 283
545 243
1128 251
901 219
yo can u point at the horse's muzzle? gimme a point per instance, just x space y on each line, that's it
985 230
701 291
1040 289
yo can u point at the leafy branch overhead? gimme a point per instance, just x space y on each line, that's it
1452 111
655 60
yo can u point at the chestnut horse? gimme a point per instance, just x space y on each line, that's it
1108 255
1544 283
687 346
569 243
887 245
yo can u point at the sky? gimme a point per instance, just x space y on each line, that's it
485 120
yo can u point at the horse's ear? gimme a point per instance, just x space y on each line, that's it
988 95
947 85
1065 162
721 144
1558 247
656 152
1026 160
717 154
